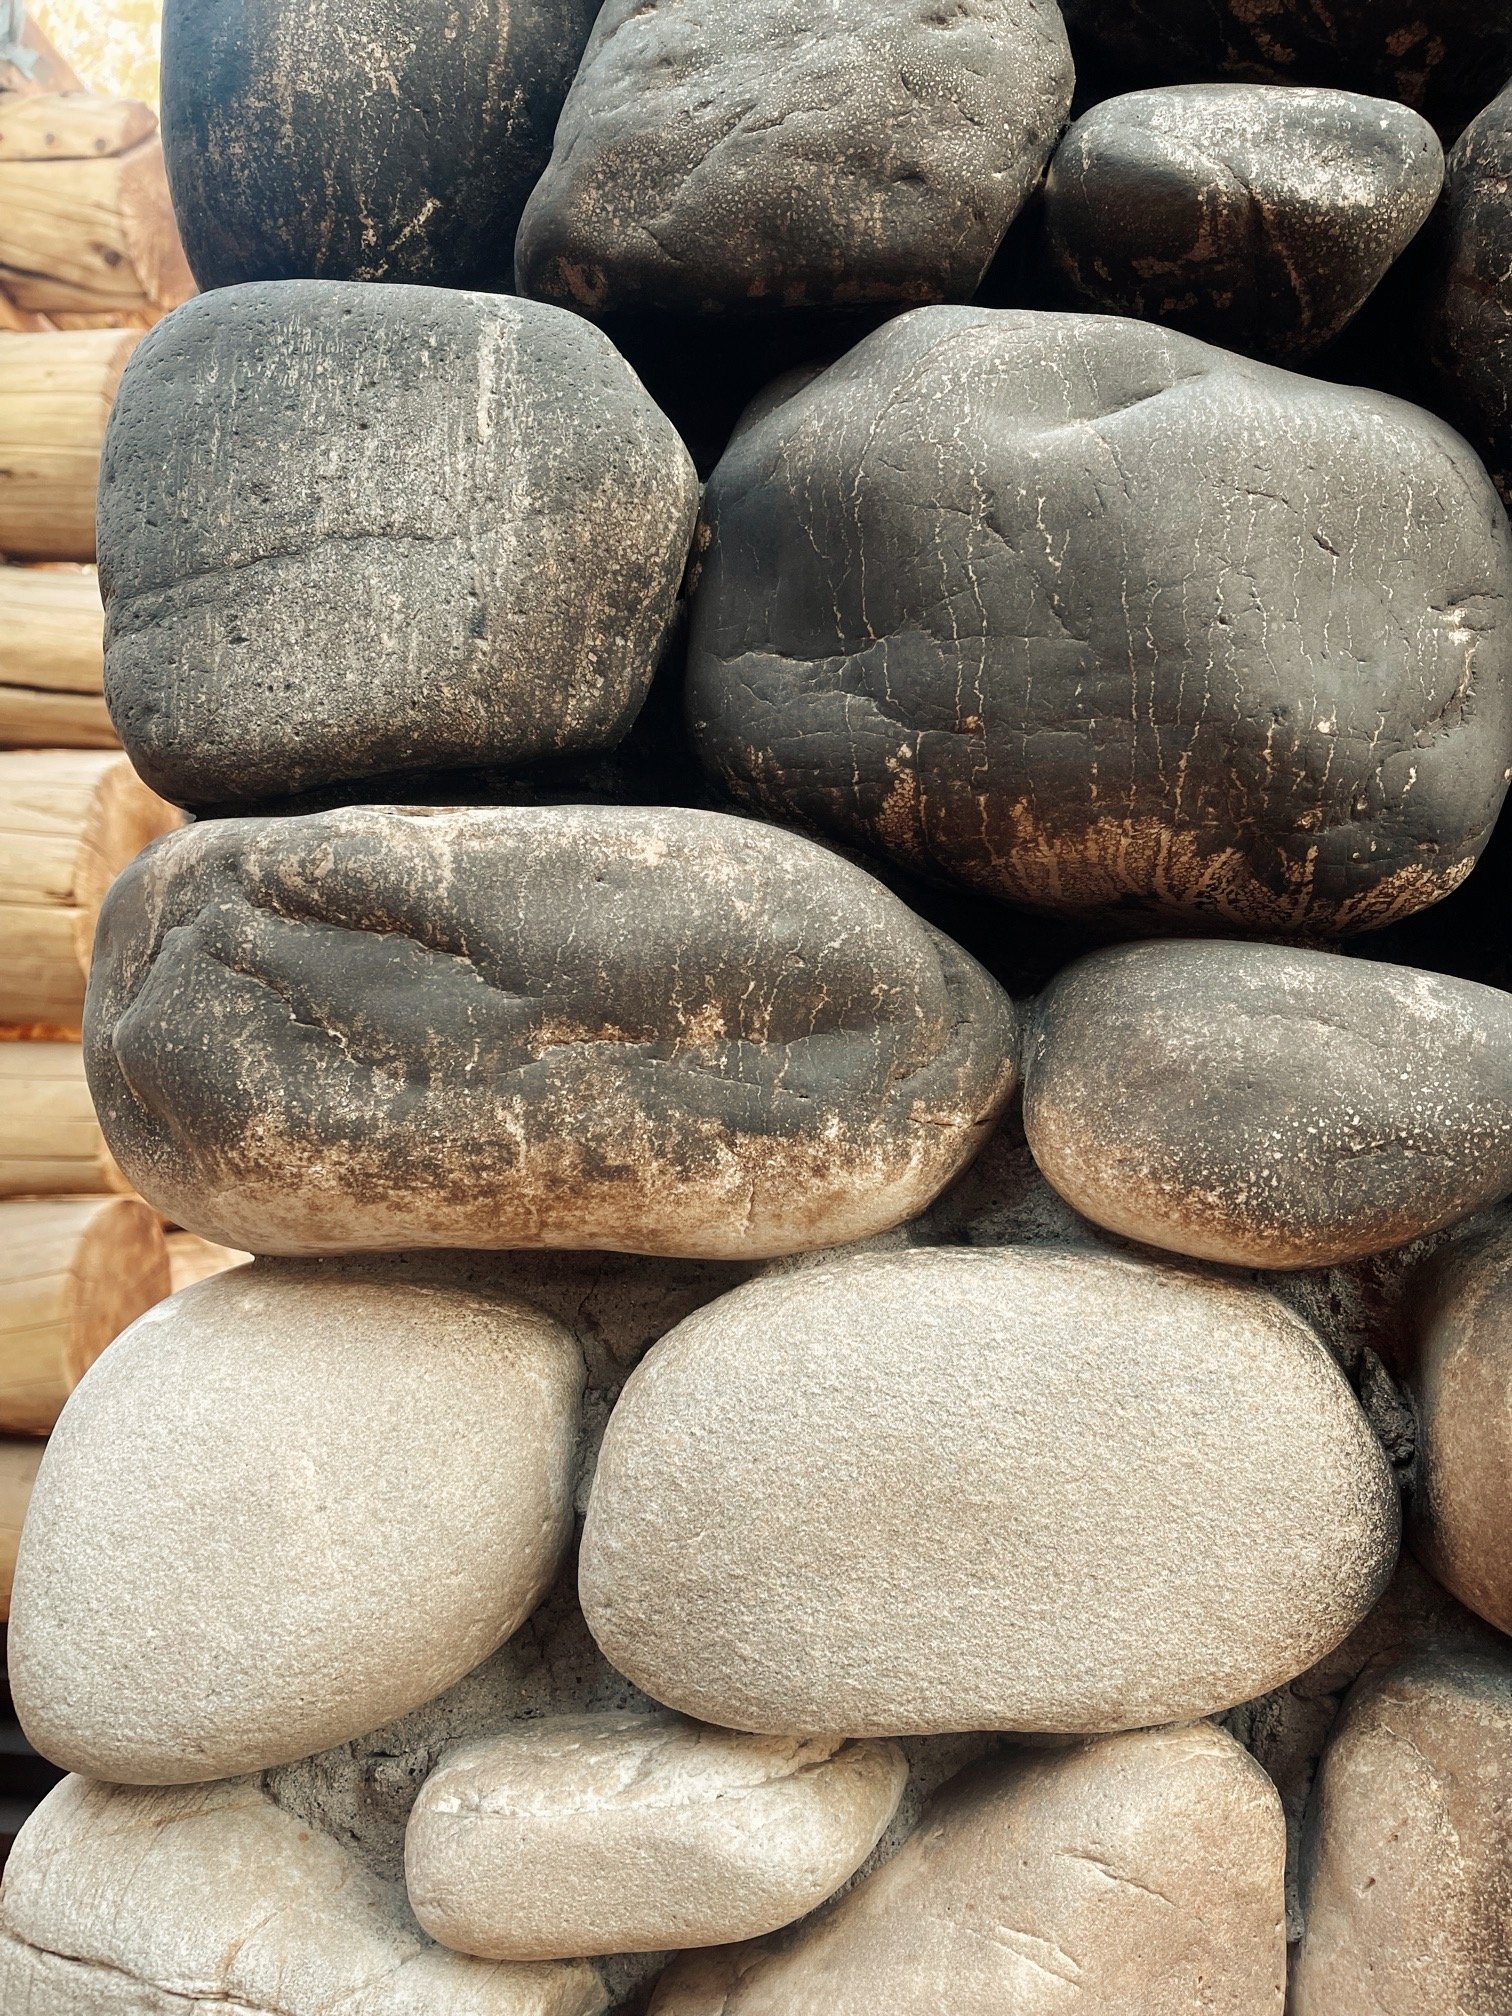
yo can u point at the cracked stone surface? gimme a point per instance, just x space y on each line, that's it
361 139
1140 1874
1251 215
348 531
1469 332
767 156
657 1031
1095 618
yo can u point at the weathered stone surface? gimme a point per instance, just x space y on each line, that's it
1460 1511
1441 60
639 1833
1407 1884
347 531
747 157
1263 1106
361 139
124 1902
952 1489
1093 617
1470 320
281 1510
662 1031
1256 217
1137 1876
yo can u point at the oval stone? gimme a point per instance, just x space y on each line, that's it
658 1031
1269 1107
953 1489
636 1833
1469 325
283 1509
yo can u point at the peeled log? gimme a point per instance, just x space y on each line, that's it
192 1259
50 1141
52 663
74 1272
19 1462
70 820
56 392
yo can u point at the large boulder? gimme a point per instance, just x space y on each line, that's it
347 531
1407 1886
1470 310
1264 1106
717 157
1249 215
361 139
126 1902
628 1832
1138 1876
281 1509
660 1031
1092 617
953 1489
1440 59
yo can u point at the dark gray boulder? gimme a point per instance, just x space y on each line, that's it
1250 215
715 157
1095 618
661 1032
351 531
1442 59
1470 313
1264 1106
361 139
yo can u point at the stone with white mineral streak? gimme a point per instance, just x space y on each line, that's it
282 1509
950 1490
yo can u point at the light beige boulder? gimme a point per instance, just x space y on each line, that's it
1460 1377
1139 1875
636 1833
284 1507
1011 1489
128 1902
1407 1862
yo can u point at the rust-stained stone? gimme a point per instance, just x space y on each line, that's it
659 1031
1264 1106
1407 1878
1092 617
350 531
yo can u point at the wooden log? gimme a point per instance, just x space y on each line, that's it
33 63
91 235
70 820
192 1259
19 1463
17 321
52 660
70 125
74 1271
56 392
50 1140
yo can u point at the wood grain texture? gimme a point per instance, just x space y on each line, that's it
56 392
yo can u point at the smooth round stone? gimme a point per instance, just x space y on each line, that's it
351 531
281 1510
716 156
659 1031
1460 1378
1470 307
637 1833
959 1489
125 1902
1268 1107
1254 216
1094 618
1405 1883
361 139
1135 1876
1440 59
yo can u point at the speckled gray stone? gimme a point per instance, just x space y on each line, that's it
1251 215
953 1489
1470 302
660 1031
764 156
1263 1106
348 531
1093 617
